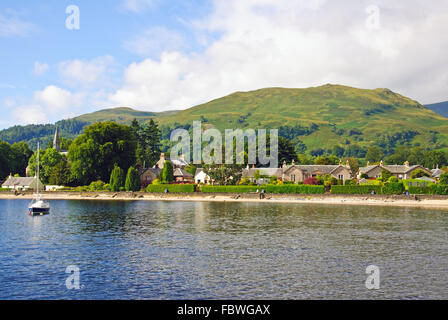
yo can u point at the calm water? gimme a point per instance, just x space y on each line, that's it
201 250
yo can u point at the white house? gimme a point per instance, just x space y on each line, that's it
201 177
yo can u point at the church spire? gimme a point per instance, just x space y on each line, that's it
56 140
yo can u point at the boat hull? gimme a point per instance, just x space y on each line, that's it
39 211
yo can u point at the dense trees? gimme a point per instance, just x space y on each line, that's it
51 162
102 145
148 142
374 154
13 159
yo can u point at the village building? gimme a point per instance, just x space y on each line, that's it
22 183
201 177
182 176
297 173
435 173
400 171
177 162
148 175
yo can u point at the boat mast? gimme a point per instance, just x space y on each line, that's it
37 181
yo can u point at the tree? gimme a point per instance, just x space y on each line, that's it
374 154
48 160
103 145
132 180
21 154
338 151
60 174
5 159
331 160
286 151
167 174
116 179
224 174
148 142
354 165
434 158
311 181
444 178
385 175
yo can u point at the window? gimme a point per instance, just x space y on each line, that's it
293 177
341 177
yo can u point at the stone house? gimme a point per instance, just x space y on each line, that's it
400 171
298 173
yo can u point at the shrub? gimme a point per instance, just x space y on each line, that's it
433 189
311 181
350 182
385 175
97 186
172 188
364 176
393 179
156 181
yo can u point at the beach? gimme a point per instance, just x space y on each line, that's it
421 201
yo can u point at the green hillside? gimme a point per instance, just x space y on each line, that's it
340 115
313 118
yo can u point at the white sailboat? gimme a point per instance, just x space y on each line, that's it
38 207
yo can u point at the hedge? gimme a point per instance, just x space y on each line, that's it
433 189
364 189
172 188
292 189
393 188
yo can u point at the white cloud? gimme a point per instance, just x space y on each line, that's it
30 114
11 26
265 43
138 6
40 68
85 72
154 41
54 98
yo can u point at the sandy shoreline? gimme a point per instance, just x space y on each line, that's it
423 201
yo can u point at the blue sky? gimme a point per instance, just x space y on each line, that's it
158 55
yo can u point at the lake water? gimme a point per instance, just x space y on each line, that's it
211 250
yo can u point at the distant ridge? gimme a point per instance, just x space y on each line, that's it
441 108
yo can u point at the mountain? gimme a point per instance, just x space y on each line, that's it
441 108
314 118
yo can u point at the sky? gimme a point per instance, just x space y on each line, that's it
158 55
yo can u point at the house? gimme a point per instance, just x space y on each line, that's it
435 173
400 171
297 173
148 175
202 177
182 176
177 163
22 183
264 173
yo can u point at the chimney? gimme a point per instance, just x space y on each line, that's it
253 166
368 163
406 163
182 157
381 163
284 164
347 164
293 162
